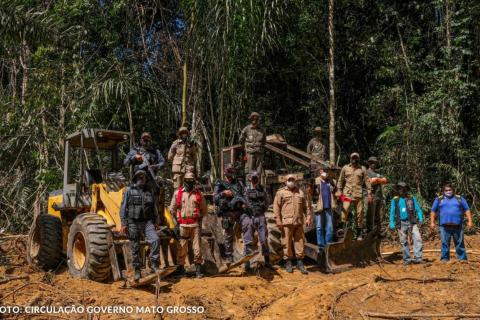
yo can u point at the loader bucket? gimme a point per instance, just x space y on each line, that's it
347 253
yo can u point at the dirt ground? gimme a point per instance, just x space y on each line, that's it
388 288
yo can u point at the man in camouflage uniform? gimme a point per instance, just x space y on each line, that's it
253 140
257 201
316 148
353 178
291 207
228 198
145 157
189 206
375 207
182 154
137 215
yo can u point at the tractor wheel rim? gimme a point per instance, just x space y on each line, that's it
79 251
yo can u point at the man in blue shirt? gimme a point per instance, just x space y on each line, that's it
450 209
324 211
405 213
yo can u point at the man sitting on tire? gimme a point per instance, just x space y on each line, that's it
189 206
138 215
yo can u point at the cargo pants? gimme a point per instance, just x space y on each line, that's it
190 233
254 163
293 233
135 231
249 225
359 211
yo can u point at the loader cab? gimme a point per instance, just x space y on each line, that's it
92 157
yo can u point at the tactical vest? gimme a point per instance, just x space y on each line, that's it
411 215
256 199
223 205
140 205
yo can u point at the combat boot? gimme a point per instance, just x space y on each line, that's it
301 267
198 271
138 274
359 234
154 267
180 271
267 263
288 266
247 267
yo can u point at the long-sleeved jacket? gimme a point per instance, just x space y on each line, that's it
188 206
352 180
291 207
253 139
154 159
316 148
183 156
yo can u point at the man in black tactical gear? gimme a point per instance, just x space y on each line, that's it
137 215
145 157
257 202
224 192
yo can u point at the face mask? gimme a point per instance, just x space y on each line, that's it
255 122
188 185
290 184
324 175
448 193
146 143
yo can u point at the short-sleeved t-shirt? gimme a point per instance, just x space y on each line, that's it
450 210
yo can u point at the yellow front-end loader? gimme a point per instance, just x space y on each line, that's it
82 220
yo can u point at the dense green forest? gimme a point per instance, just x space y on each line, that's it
407 77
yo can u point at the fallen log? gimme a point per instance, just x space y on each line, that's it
2 281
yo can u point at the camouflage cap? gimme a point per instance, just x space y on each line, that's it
254 114
229 168
317 129
183 129
146 136
189 176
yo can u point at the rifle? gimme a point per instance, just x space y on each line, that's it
146 163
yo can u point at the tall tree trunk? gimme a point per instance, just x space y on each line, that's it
331 80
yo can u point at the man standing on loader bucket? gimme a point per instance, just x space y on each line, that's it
316 148
189 206
145 157
182 154
353 178
137 215
253 140
224 192
291 206
375 208
450 209
325 207
257 202
405 213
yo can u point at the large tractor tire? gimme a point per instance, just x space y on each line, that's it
45 245
87 249
274 236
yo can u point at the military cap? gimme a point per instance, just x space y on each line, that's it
355 155
189 175
229 168
254 114
372 159
182 129
146 136
317 129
